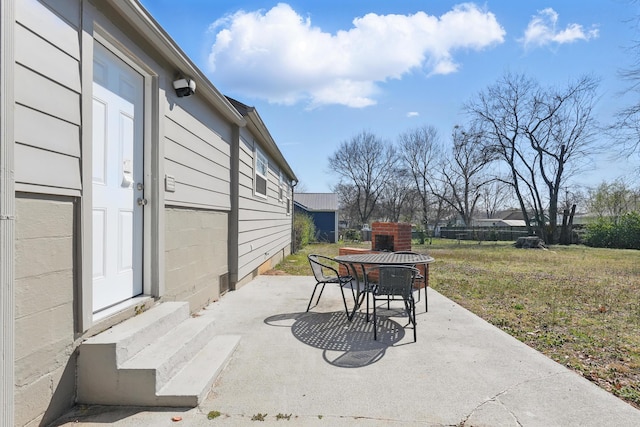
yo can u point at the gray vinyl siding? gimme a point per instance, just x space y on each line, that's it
47 128
264 226
197 154
59 28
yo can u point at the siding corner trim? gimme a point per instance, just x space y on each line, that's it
7 213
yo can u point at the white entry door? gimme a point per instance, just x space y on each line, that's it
118 190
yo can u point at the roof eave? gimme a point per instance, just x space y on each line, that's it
137 15
257 126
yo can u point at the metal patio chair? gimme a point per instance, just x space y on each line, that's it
419 278
324 272
395 283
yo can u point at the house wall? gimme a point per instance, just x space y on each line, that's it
197 152
45 282
264 227
197 155
191 142
194 145
196 255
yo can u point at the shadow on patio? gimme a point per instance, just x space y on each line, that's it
344 344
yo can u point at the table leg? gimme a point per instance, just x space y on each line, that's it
361 292
426 285
356 297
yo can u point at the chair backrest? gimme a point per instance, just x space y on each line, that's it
396 280
422 268
319 269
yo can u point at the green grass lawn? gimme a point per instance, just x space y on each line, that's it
578 305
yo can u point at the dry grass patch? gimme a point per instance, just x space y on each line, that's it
577 305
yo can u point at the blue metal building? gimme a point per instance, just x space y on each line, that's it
323 209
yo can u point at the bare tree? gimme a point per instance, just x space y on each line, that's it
497 111
420 150
366 163
626 128
561 135
542 135
395 196
494 196
346 200
440 210
412 207
570 196
462 173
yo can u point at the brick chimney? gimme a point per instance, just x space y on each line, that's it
390 236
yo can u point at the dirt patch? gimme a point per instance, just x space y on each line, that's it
274 272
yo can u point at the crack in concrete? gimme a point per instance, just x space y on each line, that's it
496 398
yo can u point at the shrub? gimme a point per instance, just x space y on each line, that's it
304 230
609 233
352 235
629 230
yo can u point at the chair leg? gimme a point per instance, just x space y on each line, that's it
313 293
375 319
413 314
320 294
366 295
344 300
410 308
426 300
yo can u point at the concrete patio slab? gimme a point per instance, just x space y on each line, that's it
319 369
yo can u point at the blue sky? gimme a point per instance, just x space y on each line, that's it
320 72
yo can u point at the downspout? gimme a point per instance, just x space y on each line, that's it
234 228
7 213
336 225
293 216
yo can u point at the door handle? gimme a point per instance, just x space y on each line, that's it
127 173
142 202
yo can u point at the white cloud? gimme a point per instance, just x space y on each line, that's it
413 114
542 30
280 56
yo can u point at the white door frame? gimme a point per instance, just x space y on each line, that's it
153 215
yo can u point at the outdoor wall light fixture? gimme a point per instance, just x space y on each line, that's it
184 87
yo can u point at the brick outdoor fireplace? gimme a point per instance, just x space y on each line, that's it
390 236
385 236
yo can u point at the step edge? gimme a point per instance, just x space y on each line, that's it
169 363
225 345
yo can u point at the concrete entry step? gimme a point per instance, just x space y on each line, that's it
189 387
163 357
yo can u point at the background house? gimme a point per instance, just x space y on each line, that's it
503 225
323 209
118 194
498 222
